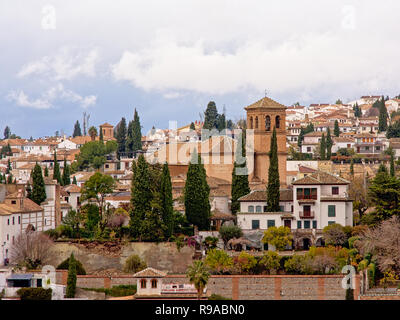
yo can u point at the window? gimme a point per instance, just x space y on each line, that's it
8 222
153 283
277 121
270 223
367 148
330 222
308 149
251 122
267 123
335 190
13 202
255 224
107 166
298 224
8 237
314 224
281 208
143 284
13 219
265 209
256 122
251 208
258 208
19 220
306 193
331 211
306 224
377 148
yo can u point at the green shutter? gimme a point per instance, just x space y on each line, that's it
331 211
306 224
271 223
298 224
255 224
314 224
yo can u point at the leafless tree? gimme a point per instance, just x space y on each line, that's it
31 249
117 220
383 242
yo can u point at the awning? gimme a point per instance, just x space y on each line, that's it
21 276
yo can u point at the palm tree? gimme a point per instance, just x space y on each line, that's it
198 275
92 132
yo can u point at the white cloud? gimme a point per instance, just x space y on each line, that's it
47 99
172 95
65 65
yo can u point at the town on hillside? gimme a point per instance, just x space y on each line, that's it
300 196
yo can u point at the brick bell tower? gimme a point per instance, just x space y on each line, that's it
262 116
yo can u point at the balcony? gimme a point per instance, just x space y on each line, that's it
306 215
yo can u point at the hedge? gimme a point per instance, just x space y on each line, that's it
34 293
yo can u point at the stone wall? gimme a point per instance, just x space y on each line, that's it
162 256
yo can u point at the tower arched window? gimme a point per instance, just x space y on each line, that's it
251 122
267 123
277 121
256 123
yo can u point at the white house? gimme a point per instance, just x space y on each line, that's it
67 145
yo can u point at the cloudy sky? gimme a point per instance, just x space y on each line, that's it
169 58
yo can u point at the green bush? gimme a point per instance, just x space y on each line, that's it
52 234
34 294
229 232
352 240
71 280
363 265
134 264
371 274
217 297
116 291
349 294
80 270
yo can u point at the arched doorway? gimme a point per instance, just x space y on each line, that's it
320 242
306 243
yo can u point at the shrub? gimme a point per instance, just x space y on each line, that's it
246 262
52 234
134 264
179 241
217 297
229 232
371 274
80 270
116 291
352 240
71 280
335 234
211 242
219 261
280 237
271 261
298 264
349 294
35 293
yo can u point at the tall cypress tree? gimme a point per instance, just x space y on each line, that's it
210 116
77 129
352 167
38 194
336 130
101 137
392 169
166 200
56 170
9 168
141 196
129 138
46 172
323 148
196 194
71 280
136 133
383 115
192 127
74 181
240 180
273 193
121 137
66 179
329 144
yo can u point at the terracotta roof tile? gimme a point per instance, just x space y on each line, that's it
150 273
265 103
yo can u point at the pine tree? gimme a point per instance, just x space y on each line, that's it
329 144
121 137
336 130
211 115
38 187
56 170
71 280
196 194
66 179
141 196
323 148
166 200
46 172
77 130
136 133
74 181
273 193
240 180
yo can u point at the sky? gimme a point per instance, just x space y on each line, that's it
169 58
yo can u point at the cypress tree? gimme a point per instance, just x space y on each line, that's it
240 180
166 200
9 168
352 167
101 137
129 138
211 115
121 137
392 169
7 132
273 193
56 170
329 144
66 179
336 130
10 178
38 187
77 130
28 191
196 194
74 181
192 127
301 138
71 281
323 148
46 172
141 195
136 133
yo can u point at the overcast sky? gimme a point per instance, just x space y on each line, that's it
169 58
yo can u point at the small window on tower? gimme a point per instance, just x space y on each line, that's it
277 121
267 123
256 122
251 122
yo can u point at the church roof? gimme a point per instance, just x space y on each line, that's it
265 103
